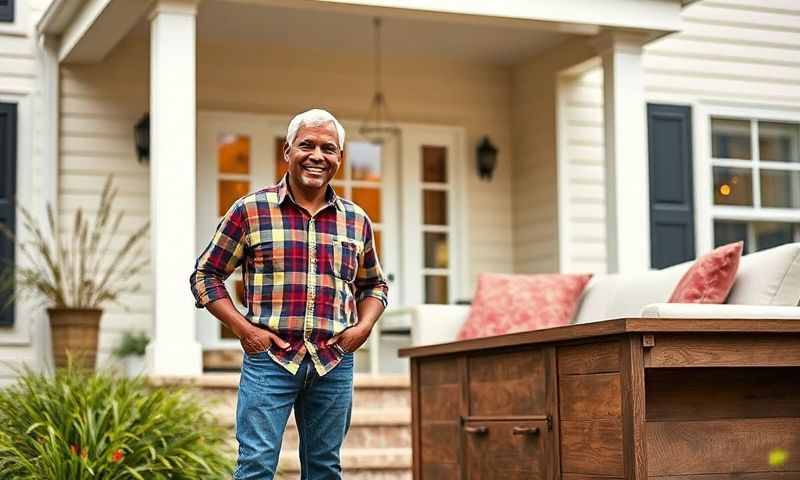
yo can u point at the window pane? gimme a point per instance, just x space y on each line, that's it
436 289
779 142
733 186
772 234
730 138
726 232
436 250
229 192
434 207
370 200
780 189
434 164
365 160
233 153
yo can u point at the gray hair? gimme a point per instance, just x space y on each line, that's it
314 118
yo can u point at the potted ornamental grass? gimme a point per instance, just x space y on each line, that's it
75 272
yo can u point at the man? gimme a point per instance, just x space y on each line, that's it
314 289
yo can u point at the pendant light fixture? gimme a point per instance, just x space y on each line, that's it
378 125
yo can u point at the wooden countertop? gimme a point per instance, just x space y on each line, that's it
615 326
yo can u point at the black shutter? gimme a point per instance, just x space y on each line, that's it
8 184
6 10
669 139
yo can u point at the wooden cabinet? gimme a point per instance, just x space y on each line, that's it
628 398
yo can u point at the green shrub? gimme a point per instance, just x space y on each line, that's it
81 425
132 343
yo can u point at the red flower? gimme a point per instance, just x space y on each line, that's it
73 449
117 456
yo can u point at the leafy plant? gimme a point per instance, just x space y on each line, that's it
77 269
132 343
78 425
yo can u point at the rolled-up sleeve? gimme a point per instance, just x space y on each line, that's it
370 280
220 258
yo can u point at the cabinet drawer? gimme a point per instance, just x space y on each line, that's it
507 449
507 383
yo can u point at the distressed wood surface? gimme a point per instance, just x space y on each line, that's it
500 454
706 350
609 328
592 447
588 358
721 446
633 408
507 383
593 396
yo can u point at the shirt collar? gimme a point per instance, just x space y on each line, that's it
330 194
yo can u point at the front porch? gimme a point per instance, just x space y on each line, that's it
215 73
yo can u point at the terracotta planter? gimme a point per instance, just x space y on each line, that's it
75 331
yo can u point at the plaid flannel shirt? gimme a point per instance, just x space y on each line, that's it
303 275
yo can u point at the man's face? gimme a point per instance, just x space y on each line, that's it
314 157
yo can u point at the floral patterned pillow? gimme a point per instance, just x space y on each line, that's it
517 303
710 278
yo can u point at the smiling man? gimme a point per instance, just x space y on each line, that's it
314 290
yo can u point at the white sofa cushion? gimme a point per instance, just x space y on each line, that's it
615 295
705 310
768 277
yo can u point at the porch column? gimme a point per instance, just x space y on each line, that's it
627 184
174 350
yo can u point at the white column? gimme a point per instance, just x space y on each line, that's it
174 350
627 187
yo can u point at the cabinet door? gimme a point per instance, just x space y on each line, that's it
506 449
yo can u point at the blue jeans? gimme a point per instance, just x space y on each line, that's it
322 409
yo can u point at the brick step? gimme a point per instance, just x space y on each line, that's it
359 463
369 391
369 428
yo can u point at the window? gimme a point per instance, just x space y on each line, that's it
6 10
756 180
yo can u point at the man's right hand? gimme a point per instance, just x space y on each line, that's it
257 340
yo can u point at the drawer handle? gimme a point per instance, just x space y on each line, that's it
481 430
525 431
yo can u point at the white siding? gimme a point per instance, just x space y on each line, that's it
535 180
735 52
20 72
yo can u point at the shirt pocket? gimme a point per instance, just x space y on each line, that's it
345 260
268 257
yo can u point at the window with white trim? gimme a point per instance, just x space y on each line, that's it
756 179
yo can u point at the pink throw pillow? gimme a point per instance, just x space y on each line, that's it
710 278
517 303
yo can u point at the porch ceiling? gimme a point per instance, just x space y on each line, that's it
224 21
475 30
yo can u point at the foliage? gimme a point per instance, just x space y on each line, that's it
78 268
78 425
132 343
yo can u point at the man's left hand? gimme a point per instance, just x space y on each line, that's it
352 338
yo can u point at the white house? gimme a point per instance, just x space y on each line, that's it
631 134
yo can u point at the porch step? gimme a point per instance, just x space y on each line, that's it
378 445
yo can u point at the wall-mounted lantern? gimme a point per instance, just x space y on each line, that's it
141 136
487 158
